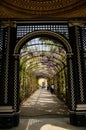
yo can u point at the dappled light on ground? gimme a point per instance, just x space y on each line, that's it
42 103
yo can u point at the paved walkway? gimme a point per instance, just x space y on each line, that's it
46 124
43 103
43 111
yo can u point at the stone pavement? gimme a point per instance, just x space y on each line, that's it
46 124
44 111
43 103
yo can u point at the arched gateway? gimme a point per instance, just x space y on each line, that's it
9 90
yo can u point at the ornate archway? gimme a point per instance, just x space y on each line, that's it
42 33
10 86
66 45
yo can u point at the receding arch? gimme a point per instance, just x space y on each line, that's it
31 35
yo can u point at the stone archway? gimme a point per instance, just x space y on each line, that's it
69 61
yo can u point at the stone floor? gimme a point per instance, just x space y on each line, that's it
46 124
44 111
43 103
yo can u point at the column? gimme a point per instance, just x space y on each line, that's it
78 116
9 40
75 43
71 89
16 82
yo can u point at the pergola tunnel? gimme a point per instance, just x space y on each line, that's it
43 62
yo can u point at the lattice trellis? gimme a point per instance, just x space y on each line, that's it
1 40
84 38
3 64
1 46
79 56
85 65
6 65
84 48
1 55
23 30
83 35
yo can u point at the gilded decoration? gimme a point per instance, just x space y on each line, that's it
42 8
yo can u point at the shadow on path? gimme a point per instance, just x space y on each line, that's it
43 103
42 111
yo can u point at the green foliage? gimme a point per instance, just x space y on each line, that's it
62 85
27 79
36 55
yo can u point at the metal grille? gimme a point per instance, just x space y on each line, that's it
84 77
3 50
23 30
84 38
6 48
85 68
1 46
1 40
84 49
82 45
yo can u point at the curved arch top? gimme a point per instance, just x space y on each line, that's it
41 33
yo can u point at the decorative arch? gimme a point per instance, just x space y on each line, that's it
41 33
69 53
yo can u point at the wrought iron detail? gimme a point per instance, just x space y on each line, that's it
15 85
72 83
43 32
79 66
84 38
6 71
58 28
